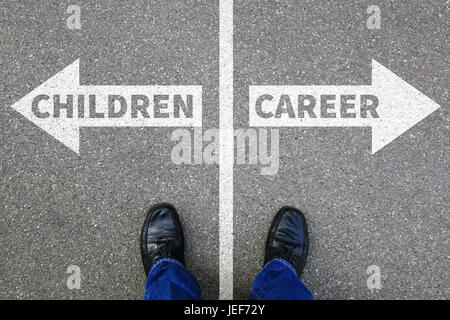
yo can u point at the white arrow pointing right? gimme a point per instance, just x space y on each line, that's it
399 106
405 106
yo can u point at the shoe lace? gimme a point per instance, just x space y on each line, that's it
287 252
165 247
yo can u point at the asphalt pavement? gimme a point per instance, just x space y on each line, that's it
389 209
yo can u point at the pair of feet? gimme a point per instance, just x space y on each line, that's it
162 237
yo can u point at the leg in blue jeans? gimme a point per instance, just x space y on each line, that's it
169 280
162 250
279 281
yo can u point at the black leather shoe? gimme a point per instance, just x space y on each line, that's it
288 239
161 236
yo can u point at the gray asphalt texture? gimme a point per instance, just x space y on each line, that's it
58 209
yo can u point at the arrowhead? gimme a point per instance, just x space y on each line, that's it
401 106
64 130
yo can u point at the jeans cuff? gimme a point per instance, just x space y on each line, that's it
159 261
287 264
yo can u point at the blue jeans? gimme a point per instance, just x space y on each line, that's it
169 280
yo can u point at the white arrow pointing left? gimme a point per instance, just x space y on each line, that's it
146 106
